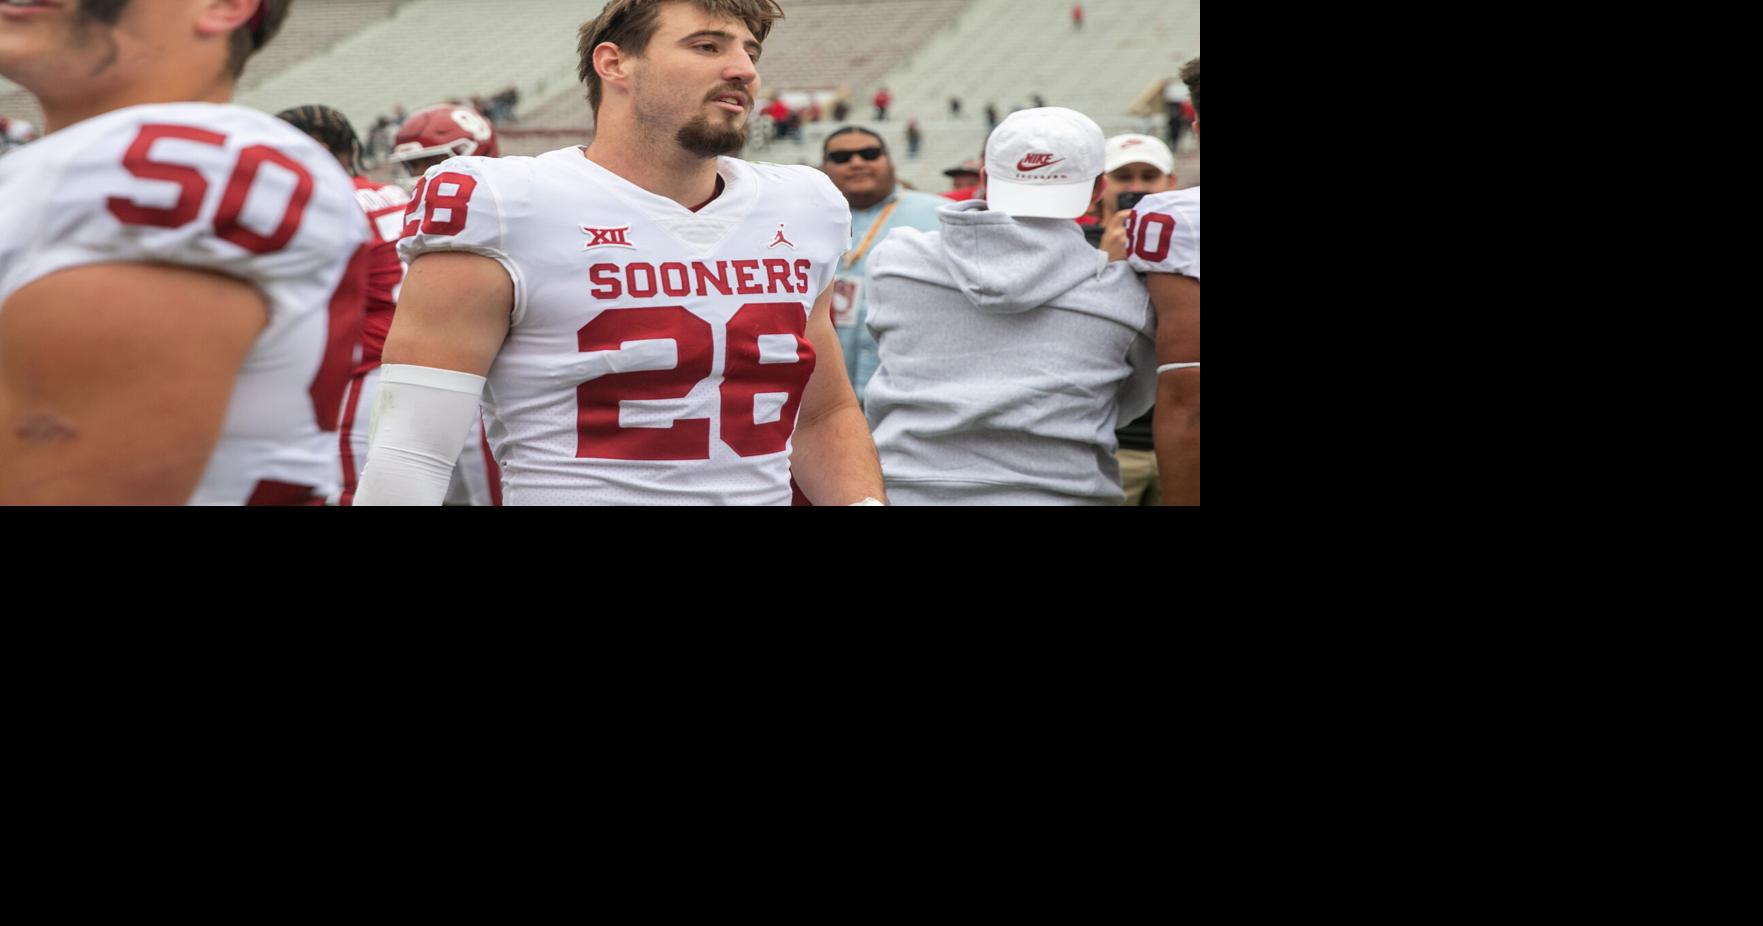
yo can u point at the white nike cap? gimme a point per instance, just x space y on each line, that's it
1043 163
1138 149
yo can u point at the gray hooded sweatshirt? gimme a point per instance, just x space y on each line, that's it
1009 350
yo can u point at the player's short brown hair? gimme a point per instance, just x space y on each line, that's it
630 24
252 36
1190 75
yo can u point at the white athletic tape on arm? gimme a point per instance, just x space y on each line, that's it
422 417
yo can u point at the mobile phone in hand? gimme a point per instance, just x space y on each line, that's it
1126 201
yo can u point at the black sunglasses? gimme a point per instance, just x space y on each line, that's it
868 154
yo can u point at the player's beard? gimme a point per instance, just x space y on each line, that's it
707 140
657 104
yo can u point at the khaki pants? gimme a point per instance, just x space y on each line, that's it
1138 477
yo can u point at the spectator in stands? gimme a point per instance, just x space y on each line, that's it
505 102
1008 347
964 177
1077 16
841 109
991 116
1039 101
779 111
955 107
379 137
914 138
1178 109
1189 115
856 159
1135 164
882 99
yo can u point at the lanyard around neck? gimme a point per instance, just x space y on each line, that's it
852 258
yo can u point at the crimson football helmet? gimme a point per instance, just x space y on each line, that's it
435 133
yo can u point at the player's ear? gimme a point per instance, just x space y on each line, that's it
222 17
612 64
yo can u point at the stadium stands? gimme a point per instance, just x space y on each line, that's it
822 45
15 103
366 56
1004 52
430 51
313 26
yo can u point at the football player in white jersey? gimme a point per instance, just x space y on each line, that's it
651 314
383 204
1163 239
179 282
435 133
426 138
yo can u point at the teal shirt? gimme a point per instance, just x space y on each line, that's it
916 210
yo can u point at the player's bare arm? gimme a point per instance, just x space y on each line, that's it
1176 425
452 318
834 458
452 314
122 401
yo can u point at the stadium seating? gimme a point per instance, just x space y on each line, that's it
312 27
366 56
821 45
429 51
1004 51
15 103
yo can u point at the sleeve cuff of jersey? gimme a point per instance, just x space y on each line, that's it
508 266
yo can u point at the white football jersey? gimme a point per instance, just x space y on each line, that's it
655 355
226 189
1163 233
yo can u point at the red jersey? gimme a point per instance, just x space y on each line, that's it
384 205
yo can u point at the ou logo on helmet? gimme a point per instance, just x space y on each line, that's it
473 124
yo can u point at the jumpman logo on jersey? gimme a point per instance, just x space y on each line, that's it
780 239
604 237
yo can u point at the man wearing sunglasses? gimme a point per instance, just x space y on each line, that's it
857 161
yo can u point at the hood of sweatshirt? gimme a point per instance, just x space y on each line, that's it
1006 265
